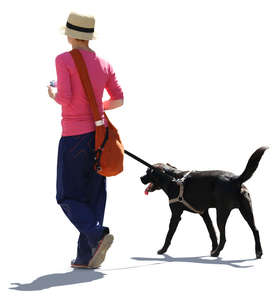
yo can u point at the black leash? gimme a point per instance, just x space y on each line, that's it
139 159
148 165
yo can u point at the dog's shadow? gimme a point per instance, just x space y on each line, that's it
59 279
198 260
82 276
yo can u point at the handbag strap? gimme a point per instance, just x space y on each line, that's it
87 86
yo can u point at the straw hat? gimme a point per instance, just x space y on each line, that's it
79 26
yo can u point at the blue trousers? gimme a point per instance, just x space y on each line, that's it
81 192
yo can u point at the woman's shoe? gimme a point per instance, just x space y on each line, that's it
99 253
79 266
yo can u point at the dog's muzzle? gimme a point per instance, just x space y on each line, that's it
144 179
151 186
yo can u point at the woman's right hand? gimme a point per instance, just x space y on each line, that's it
51 92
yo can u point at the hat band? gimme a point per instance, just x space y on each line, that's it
77 28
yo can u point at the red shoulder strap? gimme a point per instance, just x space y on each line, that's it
86 83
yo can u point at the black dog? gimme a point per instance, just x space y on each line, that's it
197 191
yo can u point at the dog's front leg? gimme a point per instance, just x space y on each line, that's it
175 219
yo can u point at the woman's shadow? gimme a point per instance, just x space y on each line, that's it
59 279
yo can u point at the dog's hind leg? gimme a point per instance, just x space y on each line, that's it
247 213
222 217
175 219
210 228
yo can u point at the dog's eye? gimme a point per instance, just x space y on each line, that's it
152 171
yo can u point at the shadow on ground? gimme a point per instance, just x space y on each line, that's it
198 260
59 279
81 276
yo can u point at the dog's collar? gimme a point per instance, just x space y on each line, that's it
180 197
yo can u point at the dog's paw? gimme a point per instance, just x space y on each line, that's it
259 254
162 251
214 253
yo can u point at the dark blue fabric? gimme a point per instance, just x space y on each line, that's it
81 192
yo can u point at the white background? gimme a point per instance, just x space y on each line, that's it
200 80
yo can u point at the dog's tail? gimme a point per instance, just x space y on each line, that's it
252 165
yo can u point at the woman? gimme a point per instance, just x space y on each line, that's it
81 192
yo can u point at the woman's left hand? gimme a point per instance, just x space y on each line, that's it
51 93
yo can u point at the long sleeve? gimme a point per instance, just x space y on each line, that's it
64 89
112 86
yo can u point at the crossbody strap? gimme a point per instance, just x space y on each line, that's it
103 133
87 86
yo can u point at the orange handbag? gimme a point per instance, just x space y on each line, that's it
109 151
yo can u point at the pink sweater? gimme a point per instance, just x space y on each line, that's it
77 117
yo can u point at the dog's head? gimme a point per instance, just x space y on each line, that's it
152 177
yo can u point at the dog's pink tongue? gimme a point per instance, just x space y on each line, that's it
148 189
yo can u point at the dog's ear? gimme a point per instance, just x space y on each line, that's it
159 165
171 166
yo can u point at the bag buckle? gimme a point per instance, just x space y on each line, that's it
97 158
